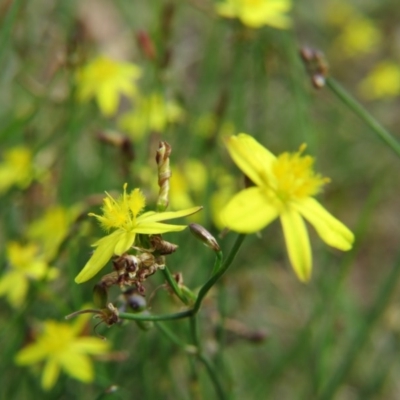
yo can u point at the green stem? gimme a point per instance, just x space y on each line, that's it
165 317
358 109
174 285
220 271
175 339
212 373
362 334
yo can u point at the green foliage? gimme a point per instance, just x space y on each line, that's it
234 323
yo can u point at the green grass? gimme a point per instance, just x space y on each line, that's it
336 337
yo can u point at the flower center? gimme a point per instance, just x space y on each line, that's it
295 177
104 70
121 213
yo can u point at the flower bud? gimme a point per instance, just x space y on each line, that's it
136 302
164 174
204 236
100 298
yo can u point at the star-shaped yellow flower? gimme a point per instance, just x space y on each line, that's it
26 264
125 216
61 347
284 188
105 80
257 13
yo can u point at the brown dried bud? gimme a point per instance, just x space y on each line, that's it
318 81
146 45
164 174
161 246
100 297
204 236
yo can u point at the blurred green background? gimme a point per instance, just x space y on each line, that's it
335 337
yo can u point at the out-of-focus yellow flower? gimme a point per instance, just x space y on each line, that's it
16 169
187 184
25 264
284 188
382 81
105 80
60 347
359 35
152 113
206 126
52 228
257 13
226 188
125 215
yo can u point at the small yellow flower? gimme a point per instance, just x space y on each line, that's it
61 348
25 265
105 80
52 228
125 216
16 169
382 81
257 13
284 188
152 113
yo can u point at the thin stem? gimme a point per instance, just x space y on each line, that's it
175 339
165 317
214 376
220 271
174 285
363 114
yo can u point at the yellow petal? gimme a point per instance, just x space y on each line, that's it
152 228
331 230
107 99
50 374
152 216
31 354
124 243
248 211
297 243
251 157
17 294
78 366
89 345
102 254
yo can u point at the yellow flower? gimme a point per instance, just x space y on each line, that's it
52 228
61 347
152 113
25 265
16 169
382 81
284 187
105 79
256 13
188 182
125 216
